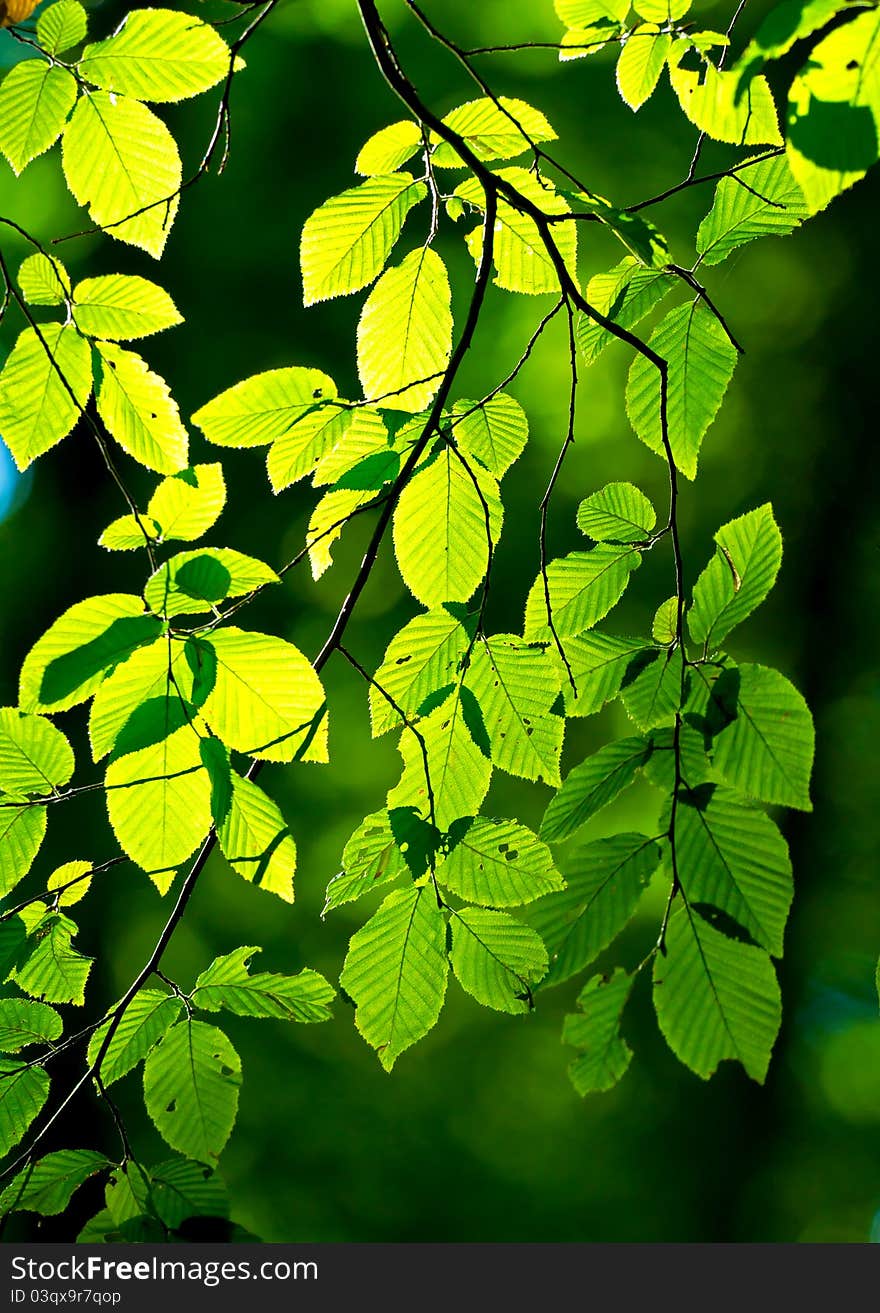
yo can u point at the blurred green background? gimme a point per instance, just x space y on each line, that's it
477 1135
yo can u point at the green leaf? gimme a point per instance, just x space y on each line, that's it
139 411
22 830
68 663
159 803
145 698
405 332
61 26
327 522
47 1185
720 106
738 578
445 561
701 364
77 874
592 785
262 408
367 432
498 863
315 434
783 26
395 971
496 958
771 204
146 1019
458 768
23 1022
766 749
188 503
126 535
191 1081
834 111
122 163
181 1189
348 239
493 130
661 11
266 700
733 857
522 262
581 13
694 767
625 294
372 858
715 998
36 408
595 1032
255 838
599 663
637 234
228 984
35 757
196 581
583 587
652 689
43 280
581 42
122 307
35 100
389 148
422 657
516 684
664 626
159 55
494 432
23 1092
619 513
605 881
640 63
54 972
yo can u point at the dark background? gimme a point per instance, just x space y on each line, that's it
477 1134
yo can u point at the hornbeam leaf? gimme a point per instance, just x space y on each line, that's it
146 1019
255 838
395 971
652 688
23 1022
581 13
122 307
592 785
498 863
47 1185
605 881
640 63
739 576
144 699
599 663
770 205
61 26
23 1092
122 163
328 520
515 685
405 332
372 858
35 757
494 130
496 958
441 534
191 1081
124 534
766 749
183 1189
68 663
40 401
493 431
197 581
701 364
262 408
35 101
595 1032
54 972
348 239
422 657
159 802
458 768
522 261
43 280
733 857
266 700
140 412
365 433
619 513
158 55
315 434
22 830
625 294
389 148
583 587
719 105
70 882
227 983
188 503
715 998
